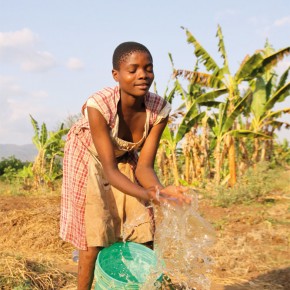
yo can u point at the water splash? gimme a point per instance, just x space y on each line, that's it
128 228
182 239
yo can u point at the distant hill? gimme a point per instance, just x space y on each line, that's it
23 152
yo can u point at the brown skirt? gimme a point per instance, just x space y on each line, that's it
112 216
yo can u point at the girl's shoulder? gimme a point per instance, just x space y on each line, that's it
105 101
154 102
158 107
107 96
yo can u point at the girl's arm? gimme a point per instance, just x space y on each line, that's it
103 144
145 168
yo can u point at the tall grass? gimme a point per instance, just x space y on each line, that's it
258 184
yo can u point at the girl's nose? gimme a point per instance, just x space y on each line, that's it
142 73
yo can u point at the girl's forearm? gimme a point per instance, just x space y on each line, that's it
147 177
125 185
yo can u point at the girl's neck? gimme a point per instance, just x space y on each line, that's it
131 103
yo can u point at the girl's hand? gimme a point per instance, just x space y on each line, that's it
175 195
171 194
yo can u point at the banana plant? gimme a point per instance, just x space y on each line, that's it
193 99
49 145
268 90
223 128
265 97
220 79
173 134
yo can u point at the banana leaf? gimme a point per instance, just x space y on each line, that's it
222 49
259 98
201 53
211 95
43 134
186 125
248 134
271 60
249 67
279 96
283 79
203 79
236 111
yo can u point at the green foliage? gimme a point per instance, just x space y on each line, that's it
25 176
201 53
9 174
50 145
9 168
253 186
11 162
249 67
281 154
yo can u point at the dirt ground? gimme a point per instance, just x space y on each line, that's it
251 249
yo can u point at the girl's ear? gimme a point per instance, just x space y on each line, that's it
115 75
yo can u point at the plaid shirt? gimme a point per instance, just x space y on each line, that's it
76 158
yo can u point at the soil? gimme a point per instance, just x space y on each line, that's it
251 249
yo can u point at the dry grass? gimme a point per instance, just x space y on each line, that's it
32 225
31 250
21 273
251 249
252 246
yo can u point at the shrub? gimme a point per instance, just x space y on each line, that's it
11 162
10 166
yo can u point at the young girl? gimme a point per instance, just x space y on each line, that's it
108 167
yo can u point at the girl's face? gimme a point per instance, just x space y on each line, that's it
135 74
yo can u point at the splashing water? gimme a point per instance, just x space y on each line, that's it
182 238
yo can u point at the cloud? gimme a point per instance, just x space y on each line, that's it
20 38
21 48
38 62
15 100
75 64
16 104
9 87
267 28
282 21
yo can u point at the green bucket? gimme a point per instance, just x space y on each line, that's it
124 266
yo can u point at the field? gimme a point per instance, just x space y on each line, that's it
251 251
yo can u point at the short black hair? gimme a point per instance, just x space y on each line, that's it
123 50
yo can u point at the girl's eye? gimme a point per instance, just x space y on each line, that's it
132 71
149 68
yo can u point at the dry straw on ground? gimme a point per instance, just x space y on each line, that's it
251 249
30 245
30 274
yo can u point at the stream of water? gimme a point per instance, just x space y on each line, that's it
181 241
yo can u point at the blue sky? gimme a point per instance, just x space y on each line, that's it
54 54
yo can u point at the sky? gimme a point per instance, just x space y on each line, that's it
54 54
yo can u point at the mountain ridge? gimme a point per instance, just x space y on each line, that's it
26 152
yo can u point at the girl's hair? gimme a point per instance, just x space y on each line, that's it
124 49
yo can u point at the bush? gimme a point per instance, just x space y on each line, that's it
10 166
11 162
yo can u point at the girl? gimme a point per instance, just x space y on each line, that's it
108 168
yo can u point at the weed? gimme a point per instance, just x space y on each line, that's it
253 186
